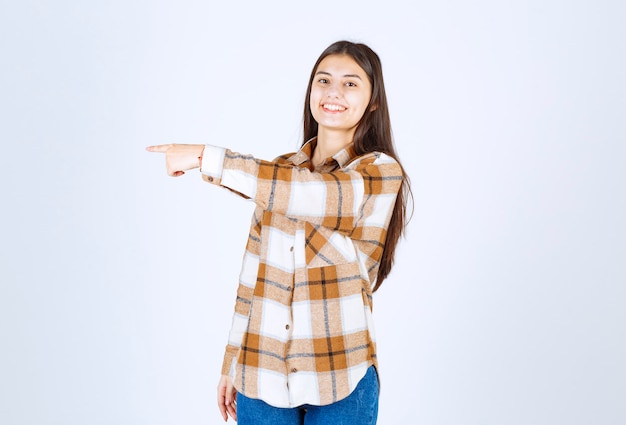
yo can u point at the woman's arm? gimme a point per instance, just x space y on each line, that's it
363 194
341 200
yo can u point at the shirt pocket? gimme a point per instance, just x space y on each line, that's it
336 298
325 247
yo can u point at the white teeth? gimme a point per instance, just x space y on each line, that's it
334 107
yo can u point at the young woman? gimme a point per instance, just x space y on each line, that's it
323 236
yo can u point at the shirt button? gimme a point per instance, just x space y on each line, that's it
287 326
210 179
291 249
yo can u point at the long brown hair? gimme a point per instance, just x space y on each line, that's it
373 134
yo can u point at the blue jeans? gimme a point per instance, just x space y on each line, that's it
359 408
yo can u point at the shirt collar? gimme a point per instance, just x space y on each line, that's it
343 157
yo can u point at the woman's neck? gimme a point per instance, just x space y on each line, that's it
329 143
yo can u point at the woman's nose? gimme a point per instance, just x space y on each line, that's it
333 90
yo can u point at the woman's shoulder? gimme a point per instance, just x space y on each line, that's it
372 158
281 159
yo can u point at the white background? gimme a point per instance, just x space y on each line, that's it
508 301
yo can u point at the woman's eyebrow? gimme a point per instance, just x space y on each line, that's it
345 76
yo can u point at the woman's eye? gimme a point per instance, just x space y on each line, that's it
350 84
322 81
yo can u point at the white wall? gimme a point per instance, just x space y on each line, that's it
117 282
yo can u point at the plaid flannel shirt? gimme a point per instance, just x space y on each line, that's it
302 330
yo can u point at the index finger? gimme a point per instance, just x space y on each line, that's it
221 403
158 148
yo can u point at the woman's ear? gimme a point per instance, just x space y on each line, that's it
373 107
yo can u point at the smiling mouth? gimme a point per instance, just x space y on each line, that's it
334 108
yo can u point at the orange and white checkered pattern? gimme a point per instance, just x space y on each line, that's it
302 331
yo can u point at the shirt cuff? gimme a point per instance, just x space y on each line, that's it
212 162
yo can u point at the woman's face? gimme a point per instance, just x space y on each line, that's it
340 94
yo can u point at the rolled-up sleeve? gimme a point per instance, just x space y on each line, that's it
337 199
